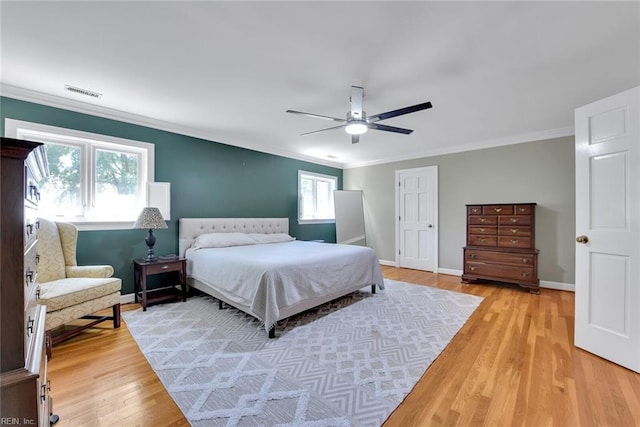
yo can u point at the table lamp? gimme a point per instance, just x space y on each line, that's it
150 218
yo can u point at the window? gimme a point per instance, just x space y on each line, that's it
93 179
315 197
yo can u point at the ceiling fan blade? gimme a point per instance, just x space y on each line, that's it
386 128
357 100
318 116
399 112
355 139
322 130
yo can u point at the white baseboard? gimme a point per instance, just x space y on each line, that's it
558 286
389 263
449 271
127 298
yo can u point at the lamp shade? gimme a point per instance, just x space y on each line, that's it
150 218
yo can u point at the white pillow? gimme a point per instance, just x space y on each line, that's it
222 240
271 238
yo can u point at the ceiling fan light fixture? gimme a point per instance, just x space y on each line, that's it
356 128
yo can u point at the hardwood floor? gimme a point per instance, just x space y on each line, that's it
513 363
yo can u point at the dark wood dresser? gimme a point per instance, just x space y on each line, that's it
501 245
24 389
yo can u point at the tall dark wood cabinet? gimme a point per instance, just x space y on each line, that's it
24 389
501 245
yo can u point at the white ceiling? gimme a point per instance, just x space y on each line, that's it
496 72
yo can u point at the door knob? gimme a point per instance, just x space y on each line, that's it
582 239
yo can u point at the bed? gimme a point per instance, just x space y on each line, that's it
254 265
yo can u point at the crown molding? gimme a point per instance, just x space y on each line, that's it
479 145
28 95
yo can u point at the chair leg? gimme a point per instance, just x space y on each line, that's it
116 315
48 343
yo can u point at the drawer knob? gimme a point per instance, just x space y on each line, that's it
472 268
514 220
525 260
43 392
524 274
522 209
29 276
514 230
498 210
30 324
472 255
482 230
514 241
483 219
164 267
482 240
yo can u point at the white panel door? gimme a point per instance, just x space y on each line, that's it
607 320
417 207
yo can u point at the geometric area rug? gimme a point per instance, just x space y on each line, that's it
349 362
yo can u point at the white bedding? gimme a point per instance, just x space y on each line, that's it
269 279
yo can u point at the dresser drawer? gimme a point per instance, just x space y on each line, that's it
485 230
30 272
499 257
514 231
497 210
501 272
30 225
483 220
515 220
31 191
479 240
474 210
514 242
524 209
30 318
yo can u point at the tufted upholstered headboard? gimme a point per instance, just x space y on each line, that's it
190 228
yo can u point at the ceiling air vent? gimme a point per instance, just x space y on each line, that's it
83 91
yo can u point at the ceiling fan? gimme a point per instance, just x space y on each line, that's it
357 121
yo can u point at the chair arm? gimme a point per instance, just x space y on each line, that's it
100 271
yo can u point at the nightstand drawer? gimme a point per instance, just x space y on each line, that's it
163 267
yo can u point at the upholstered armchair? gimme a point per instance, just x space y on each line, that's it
69 291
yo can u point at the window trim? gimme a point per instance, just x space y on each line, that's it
19 129
315 175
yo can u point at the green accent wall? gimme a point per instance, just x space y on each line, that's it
208 179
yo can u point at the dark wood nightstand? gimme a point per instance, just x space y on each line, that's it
143 268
